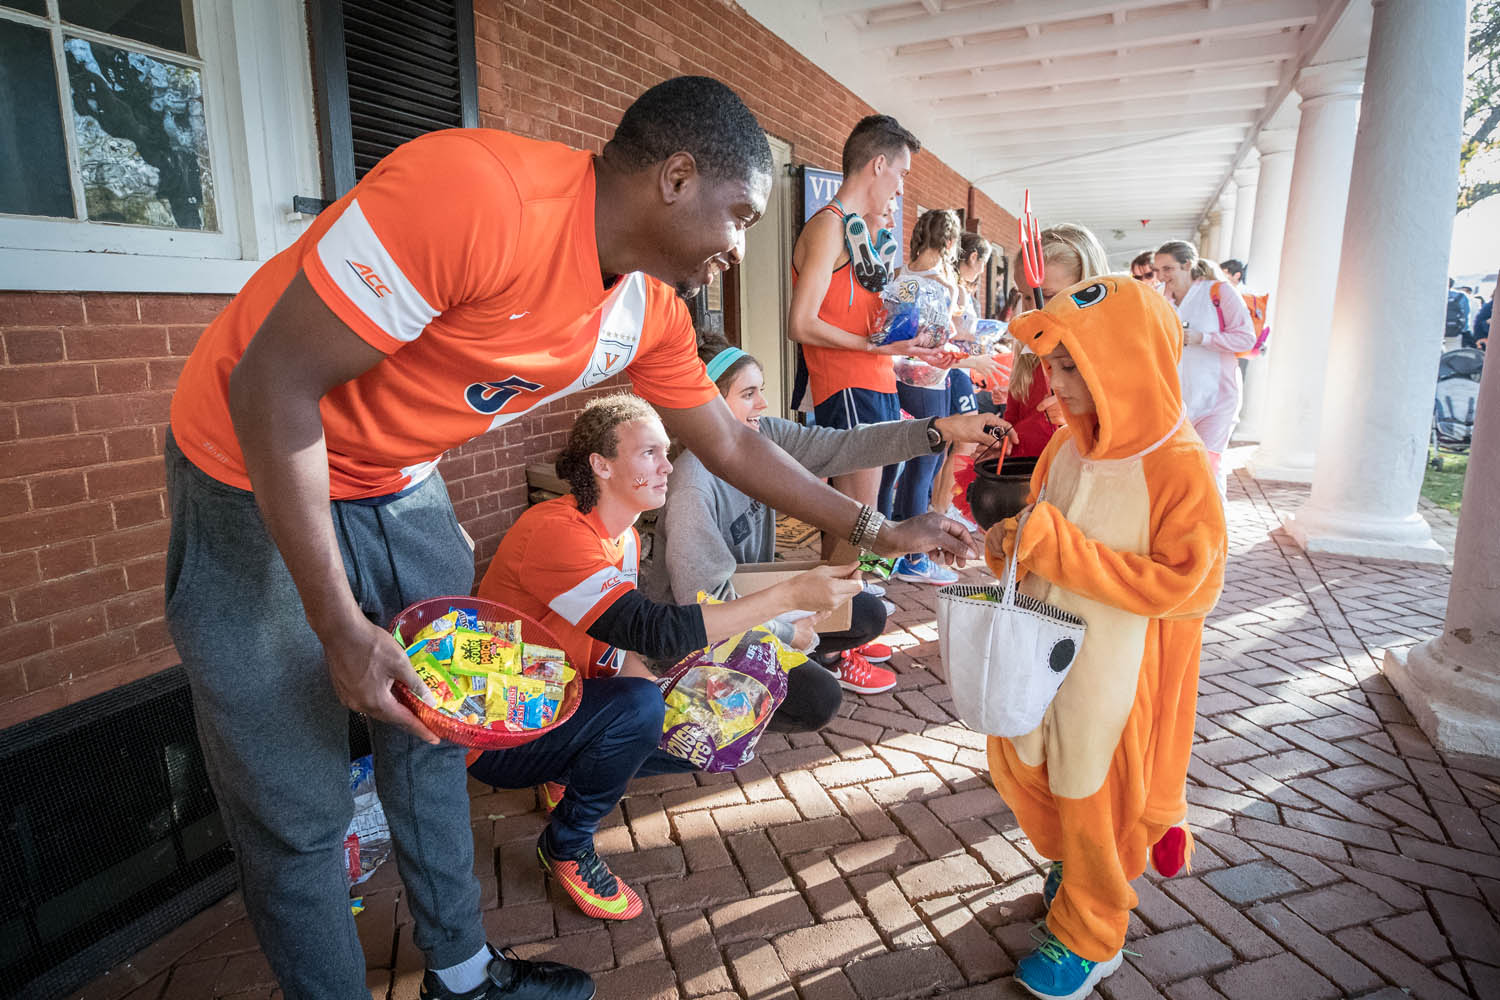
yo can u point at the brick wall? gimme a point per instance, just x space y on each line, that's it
86 380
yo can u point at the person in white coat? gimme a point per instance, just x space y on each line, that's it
1216 326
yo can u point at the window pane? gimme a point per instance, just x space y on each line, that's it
142 143
30 119
37 7
162 23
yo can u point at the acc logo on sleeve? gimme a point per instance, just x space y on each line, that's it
370 278
364 270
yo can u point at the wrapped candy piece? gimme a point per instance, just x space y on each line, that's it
438 626
437 679
484 653
878 566
517 702
916 308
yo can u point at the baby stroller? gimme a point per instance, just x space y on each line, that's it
1453 407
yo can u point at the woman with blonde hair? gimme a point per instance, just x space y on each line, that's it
1071 253
1216 326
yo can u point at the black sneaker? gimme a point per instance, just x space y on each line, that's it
512 978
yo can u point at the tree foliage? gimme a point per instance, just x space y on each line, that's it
1481 146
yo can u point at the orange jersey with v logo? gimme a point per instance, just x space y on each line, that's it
468 258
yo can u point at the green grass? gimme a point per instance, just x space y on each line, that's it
1446 488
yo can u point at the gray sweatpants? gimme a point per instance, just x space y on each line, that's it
276 738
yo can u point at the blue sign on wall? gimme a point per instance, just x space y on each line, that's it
818 189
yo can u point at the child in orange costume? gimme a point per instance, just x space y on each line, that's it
1130 537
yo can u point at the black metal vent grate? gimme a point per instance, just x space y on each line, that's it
109 834
410 69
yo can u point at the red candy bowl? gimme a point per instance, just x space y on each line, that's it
495 737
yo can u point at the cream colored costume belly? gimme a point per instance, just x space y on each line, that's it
1109 502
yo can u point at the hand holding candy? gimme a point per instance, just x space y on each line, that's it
824 588
363 663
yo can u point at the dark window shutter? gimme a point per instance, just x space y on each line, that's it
389 71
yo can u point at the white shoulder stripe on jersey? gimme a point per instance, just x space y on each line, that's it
622 323
364 270
576 603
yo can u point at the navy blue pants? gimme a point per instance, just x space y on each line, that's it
613 737
913 491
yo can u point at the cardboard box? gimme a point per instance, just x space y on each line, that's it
752 578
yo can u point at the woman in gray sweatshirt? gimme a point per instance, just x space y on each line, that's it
708 528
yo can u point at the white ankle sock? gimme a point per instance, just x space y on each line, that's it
465 976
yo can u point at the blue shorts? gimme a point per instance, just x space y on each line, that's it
961 392
849 408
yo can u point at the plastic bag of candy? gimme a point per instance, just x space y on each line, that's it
920 373
719 699
915 308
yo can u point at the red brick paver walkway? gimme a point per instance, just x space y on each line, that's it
1339 853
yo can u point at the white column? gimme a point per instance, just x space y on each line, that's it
1452 683
1302 307
1244 215
1271 189
1226 226
1389 306
1211 230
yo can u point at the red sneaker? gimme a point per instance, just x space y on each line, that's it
551 793
875 652
857 674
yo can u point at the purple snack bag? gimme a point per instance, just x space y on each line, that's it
719 700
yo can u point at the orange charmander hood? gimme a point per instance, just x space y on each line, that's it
1126 341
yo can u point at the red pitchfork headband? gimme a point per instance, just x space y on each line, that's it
1032 260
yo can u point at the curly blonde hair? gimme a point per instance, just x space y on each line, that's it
593 433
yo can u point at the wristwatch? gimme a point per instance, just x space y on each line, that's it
934 436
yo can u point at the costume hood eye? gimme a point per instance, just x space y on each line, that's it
1089 295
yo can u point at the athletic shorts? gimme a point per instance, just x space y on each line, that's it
961 392
849 408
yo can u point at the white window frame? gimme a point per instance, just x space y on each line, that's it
263 151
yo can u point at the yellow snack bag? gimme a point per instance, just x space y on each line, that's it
484 653
438 681
518 702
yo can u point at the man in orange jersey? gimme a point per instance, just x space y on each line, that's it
469 278
838 270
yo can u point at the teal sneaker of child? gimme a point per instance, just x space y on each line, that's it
1053 883
1053 972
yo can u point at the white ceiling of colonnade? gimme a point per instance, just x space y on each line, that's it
1110 111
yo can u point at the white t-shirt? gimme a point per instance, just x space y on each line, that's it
1209 372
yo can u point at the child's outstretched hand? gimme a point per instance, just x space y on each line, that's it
1000 541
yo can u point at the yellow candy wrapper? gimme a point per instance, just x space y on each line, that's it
519 703
439 682
438 627
484 653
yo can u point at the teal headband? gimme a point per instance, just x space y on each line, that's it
721 362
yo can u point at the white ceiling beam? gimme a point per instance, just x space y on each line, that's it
1124 109
1160 85
1144 126
1129 172
1246 18
838 8
1061 150
1180 57
987 18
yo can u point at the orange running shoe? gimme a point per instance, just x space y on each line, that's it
552 794
587 879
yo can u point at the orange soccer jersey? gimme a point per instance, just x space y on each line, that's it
562 568
468 258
